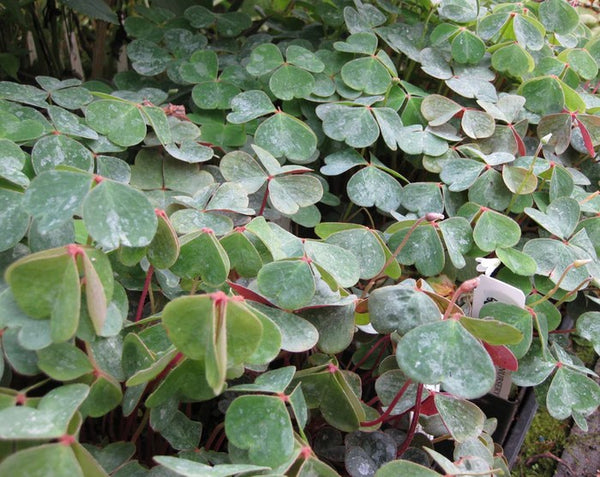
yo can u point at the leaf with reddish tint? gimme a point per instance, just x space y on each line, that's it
502 356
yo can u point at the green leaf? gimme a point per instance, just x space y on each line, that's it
202 66
363 42
275 381
444 352
214 95
405 467
491 24
492 331
290 82
400 308
460 11
552 258
341 264
14 218
529 32
494 230
264 59
201 255
458 237
582 63
243 256
365 245
367 74
516 261
164 248
303 58
572 393
288 193
158 120
262 425
190 468
120 121
335 325
68 123
97 10
50 460
285 135
544 94
438 109
50 419
513 59
558 16
460 174
519 180
299 283
342 161
516 317
561 216
297 334
55 196
463 419
467 48
64 362
588 327
52 151
249 105
116 214
147 58
105 395
46 284
232 24
477 124
373 187
423 248
354 125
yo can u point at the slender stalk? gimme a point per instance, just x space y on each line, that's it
140 309
370 352
265 197
140 428
413 423
390 408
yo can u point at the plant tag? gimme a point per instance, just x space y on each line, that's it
490 289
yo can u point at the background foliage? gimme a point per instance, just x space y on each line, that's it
252 252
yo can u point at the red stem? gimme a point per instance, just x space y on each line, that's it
390 407
362 360
264 201
413 423
140 309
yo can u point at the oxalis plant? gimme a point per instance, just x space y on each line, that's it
253 253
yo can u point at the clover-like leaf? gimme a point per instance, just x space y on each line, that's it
444 352
52 151
423 248
287 193
122 122
262 425
285 135
463 419
202 255
588 326
561 216
13 216
558 16
400 308
494 230
299 280
572 393
116 214
373 187
249 105
353 124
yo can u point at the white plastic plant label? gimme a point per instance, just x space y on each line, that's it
488 290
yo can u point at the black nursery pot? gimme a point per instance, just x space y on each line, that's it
514 420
